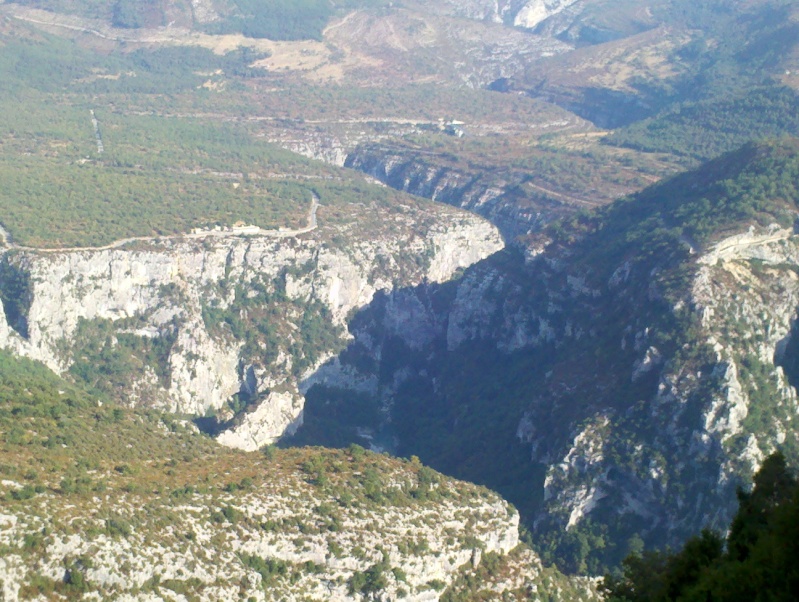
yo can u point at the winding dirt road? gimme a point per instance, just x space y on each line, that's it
7 243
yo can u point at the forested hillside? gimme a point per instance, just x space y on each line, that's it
707 129
731 90
80 172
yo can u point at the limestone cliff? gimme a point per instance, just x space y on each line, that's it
102 502
495 194
618 381
721 403
195 322
632 433
520 13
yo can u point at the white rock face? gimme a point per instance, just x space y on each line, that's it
521 13
485 193
746 292
166 286
698 426
278 414
328 150
536 11
727 412
751 245
582 469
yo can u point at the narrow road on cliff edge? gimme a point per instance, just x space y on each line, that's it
7 243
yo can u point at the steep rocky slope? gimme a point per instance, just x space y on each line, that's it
496 196
519 192
192 324
618 384
104 503
280 537
581 21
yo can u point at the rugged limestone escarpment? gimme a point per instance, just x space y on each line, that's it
498 197
615 420
192 324
619 383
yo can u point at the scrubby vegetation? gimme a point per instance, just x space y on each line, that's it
520 576
257 317
155 176
757 184
58 438
723 91
277 19
136 483
137 13
177 146
651 236
106 353
158 173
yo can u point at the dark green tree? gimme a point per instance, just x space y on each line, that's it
759 563
773 486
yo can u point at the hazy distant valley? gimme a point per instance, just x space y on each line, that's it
544 247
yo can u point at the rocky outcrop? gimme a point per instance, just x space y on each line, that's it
715 412
537 11
277 537
323 148
277 414
243 316
203 11
101 502
520 13
747 293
